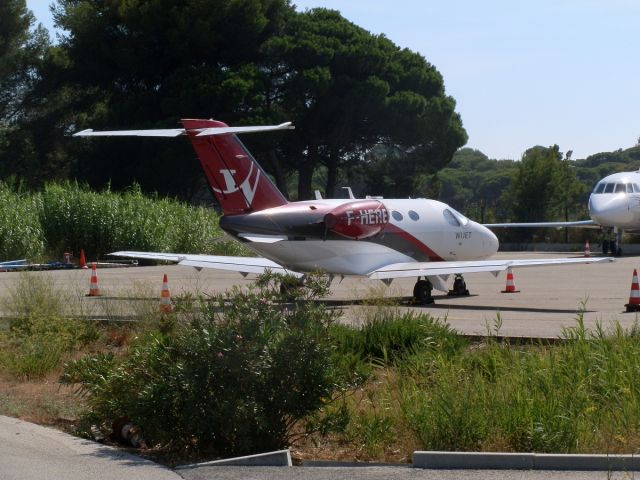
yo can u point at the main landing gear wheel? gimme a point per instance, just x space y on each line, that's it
422 292
459 287
289 288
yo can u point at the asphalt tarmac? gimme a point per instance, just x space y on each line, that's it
549 298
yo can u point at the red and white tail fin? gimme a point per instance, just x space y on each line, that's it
238 182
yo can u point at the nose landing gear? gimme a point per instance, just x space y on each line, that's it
612 241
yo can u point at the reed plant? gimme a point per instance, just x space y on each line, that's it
581 396
69 216
21 234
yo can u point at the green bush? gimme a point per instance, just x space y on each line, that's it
235 379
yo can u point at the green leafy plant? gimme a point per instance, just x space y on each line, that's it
235 379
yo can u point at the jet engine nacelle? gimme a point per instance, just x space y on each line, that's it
357 220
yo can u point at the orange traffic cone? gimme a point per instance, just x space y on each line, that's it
165 297
511 287
94 291
634 296
83 262
587 249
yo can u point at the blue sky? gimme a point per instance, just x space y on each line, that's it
523 73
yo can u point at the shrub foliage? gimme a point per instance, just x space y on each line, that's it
233 380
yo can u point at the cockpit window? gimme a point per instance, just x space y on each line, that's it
636 188
599 188
629 187
620 187
455 218
609 188
449 217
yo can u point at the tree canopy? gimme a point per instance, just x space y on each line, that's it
148 63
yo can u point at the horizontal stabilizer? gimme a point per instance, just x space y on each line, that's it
166 132
176 132
224 130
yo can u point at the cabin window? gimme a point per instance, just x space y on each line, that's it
620 188
599 188
609 188
450 218
396 215
414 215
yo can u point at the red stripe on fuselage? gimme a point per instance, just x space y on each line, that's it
395 230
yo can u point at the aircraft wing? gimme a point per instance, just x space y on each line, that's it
578 224
424 269
242 265
259 265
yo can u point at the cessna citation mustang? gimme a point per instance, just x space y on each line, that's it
614 206
375 238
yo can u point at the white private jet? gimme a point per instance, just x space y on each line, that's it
372 237
614 206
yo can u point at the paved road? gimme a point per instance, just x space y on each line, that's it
387 473
548 300
32 452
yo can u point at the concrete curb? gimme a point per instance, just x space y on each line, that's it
280 458
523 461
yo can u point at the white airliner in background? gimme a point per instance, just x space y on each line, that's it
614 206
371 237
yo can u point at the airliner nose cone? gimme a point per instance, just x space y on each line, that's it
610 210
490 242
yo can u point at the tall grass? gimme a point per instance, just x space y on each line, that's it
75 217
579 397
389 335
70 216
20 229
40 334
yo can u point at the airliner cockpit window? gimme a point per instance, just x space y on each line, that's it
629 187
620 188
599 188
450 217
636 188
609 188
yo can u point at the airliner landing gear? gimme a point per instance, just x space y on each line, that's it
459 287
612 241
422 292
